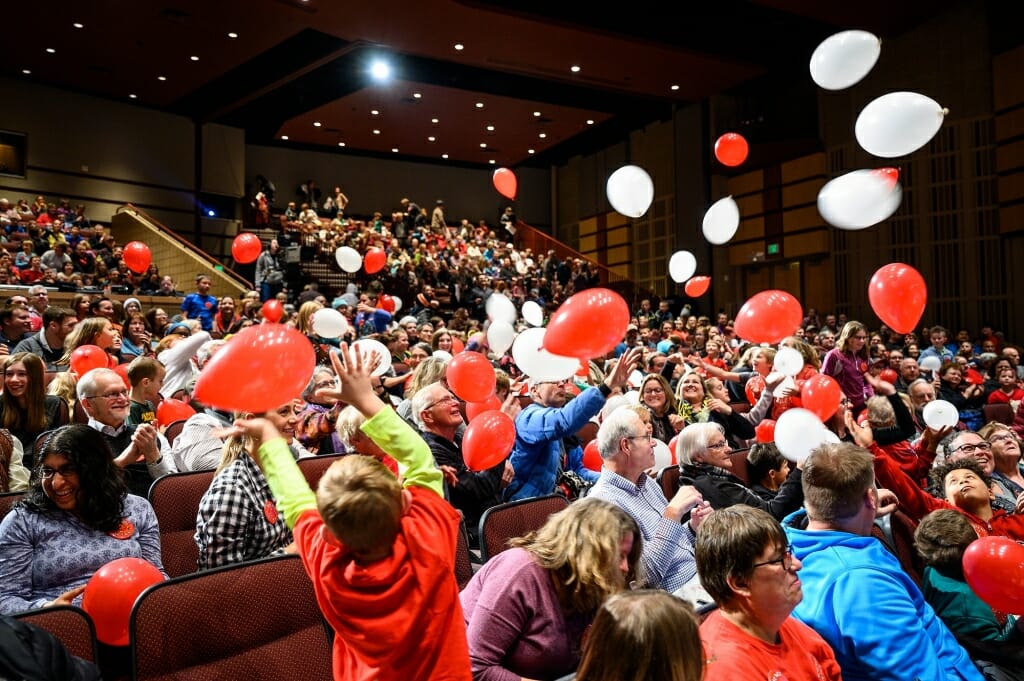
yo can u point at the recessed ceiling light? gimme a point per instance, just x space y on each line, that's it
341 144
491 161
590 121
317 124
232 35
161 78
376 132
529 151
416 95
133 96
27 72
50 50
444 155
675 87
194 58
459 46
78 24
380 70
574 68
284 137
483 145
431 139
434 120
542 135
394 150
374 112
479 105
490 128
536 114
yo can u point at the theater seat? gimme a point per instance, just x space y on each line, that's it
71 625
175 499
500 523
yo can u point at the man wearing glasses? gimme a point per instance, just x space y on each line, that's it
751 572
856 595
106 400
539 452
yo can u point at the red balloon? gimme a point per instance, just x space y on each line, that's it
672 449
170 410
458 346
273 310
731 149
888 375
754 387
505 182
583 369
697 286
474 409
994 567
112 591
470 375
246 248
112 362
137 256
274 361
898 295
821 395
768 317
592 458
387 303
973 377
588 324
122 371
374 260
765 431
87 358
488 439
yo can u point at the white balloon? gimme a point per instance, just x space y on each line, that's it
329 323
370 349
898 124
500 308
398 303
630 190
798 432
662 455
788 361
348 259
681 266
843 59
930 363
540 364
939 413
442 354
859 199
533 313
612 403
721 221
633 397
500 335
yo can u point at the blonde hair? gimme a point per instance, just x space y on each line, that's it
580 547
431 370
880 412
360 501
63 385
304 322
84 333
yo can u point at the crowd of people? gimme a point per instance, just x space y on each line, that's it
782 562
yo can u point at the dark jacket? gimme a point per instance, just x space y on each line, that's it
722 489
476 491
30 653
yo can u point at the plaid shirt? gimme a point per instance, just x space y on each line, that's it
234 520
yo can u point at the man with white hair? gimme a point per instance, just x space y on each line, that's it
628 452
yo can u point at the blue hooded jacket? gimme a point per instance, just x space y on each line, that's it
859 599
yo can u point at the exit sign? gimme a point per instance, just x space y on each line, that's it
773 249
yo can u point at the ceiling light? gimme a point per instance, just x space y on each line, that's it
374 112
26 72
161 78
675 87
483 145
536 114
529 151
590 121
490 128
380 70
284 137
376 132
78 24
431 139
491 161
394 150
232 35
341 144
50 50
444 155
133 96
317 124
194 58
542 135
574 68
459 46
434 120
479 105
416 95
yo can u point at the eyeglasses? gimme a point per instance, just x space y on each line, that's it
66 471
653 391
971 448
785 560
644 438
447 399
1003 437
332 383
718 445
860 337
562 382
113 395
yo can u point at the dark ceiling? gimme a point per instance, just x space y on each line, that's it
300 69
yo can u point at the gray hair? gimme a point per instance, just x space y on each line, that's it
36 288
348 424
420 401
206 351
693 440
621 423
307 393
86 386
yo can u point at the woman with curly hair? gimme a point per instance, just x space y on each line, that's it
76 517
527 609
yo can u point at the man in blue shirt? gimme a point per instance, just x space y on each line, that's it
200 305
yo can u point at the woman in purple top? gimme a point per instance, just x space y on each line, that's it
847 362
527 609
76 518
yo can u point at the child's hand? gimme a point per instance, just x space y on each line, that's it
260 430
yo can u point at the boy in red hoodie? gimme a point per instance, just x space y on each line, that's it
380 553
